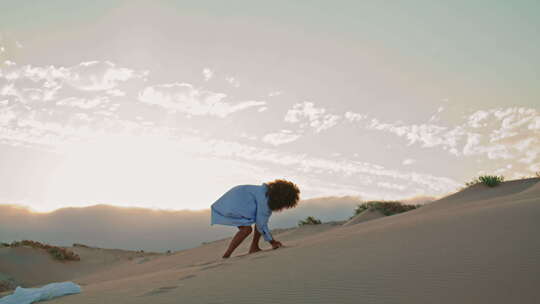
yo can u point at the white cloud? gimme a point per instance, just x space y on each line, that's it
524 144
116 92
20 125
502 133
100 76
56 127
233 81
6 116
391 186
505 133
500 171
530 156
86 76
429 135
27 85
82 102
476 118
308 115
308 164
275 93
248 136
184 98
535 168
47 106
207 74
535 123
408 161
436 117
493 151
352 117
280 138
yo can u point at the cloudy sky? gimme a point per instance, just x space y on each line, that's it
167 104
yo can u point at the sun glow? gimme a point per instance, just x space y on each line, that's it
127 171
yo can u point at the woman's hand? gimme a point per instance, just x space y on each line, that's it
275 244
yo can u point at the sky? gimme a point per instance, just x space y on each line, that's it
168 104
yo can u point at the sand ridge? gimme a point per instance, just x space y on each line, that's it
364 216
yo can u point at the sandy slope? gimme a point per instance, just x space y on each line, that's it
364 216
476 246
30 267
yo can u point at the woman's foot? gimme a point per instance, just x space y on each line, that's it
243 232
253 250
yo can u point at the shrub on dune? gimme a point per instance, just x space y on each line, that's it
488 180
491 180
59 253
81 245
63 254
385 207
310 220
6 285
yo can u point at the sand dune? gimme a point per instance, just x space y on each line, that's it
364 216
30 267
476 246
481 192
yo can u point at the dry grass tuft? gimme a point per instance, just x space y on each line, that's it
6 285
488 180
59 253
310 220
385 207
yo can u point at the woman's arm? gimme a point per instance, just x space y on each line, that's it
262 224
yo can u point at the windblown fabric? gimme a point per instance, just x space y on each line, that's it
47 292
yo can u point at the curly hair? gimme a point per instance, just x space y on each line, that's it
282 194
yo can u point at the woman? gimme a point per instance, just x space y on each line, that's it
245 205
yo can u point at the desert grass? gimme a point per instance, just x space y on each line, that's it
385 207
58 253
6 285
310 220
488 180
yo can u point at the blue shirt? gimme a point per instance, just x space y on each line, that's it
244 205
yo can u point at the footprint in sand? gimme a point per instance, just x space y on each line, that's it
259 257
144 260
214 266
189 276
203 263
159 291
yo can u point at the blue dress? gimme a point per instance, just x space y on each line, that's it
244 205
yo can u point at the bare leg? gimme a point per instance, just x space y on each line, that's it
243 232
255 243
